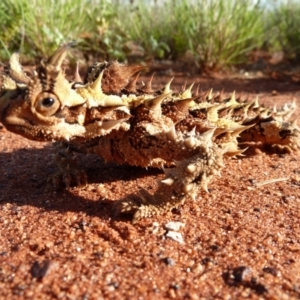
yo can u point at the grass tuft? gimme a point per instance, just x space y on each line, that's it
39 31
285 27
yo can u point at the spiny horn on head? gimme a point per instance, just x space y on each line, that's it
59 55
15 70
77 77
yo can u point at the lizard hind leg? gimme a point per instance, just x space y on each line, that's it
180 182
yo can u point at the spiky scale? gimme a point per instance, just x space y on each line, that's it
155 103
190 142
168 181
148 86
188 92
183 105
191 168
188 188
171 134
167 88
207 135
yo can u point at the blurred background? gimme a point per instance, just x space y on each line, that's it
207 34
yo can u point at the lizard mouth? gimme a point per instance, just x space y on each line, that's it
35 128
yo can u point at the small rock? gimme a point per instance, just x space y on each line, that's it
40 270
174 226
236 275
169 261
270 270
240 273
155 227
176 236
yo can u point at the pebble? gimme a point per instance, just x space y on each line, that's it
174 226
238 274
270 270
40 269
176 236
169 261
155 227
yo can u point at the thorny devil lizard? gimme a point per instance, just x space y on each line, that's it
186 134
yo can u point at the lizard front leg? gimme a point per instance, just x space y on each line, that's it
68 172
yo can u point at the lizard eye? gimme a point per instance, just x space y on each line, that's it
47 104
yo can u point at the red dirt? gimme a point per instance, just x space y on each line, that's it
241 240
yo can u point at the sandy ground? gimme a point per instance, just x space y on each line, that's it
241 240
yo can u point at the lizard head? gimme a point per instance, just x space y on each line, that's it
34 106
46 106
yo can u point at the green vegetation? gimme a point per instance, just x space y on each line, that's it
214 33
37 27
208 33
285 27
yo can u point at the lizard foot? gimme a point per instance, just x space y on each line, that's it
68 173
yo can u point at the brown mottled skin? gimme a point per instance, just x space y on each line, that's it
185 133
